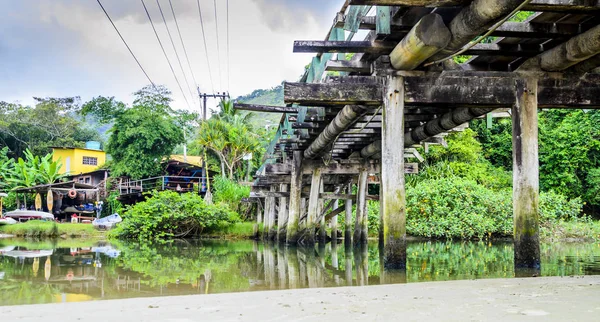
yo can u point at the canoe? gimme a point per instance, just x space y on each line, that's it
29 253
19 215
7 221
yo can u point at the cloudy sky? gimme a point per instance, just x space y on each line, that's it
69 48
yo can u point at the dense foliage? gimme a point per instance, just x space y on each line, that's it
142 135
231 193
51 122
168 214
569 152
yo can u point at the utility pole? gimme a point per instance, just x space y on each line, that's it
204 97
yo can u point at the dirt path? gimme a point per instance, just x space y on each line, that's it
532 299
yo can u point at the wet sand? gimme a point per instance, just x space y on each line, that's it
530 299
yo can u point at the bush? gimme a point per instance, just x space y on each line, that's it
168 214
457 208
229 192
554 207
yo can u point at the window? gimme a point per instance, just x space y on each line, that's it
90 161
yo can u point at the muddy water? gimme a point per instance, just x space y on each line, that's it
69 271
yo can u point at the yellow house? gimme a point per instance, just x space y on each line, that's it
78 160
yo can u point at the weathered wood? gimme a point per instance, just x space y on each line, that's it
526 175
575 50
507 29
348 115
392 180
259 214
412 3
321 232
333 94
586 65
265 108
269 231
383 20
313 207
348 218
425 39
295 199
335 212
282 216
361 220
472 20
336 168
320 46
348 66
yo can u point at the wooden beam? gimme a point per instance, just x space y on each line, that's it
265 108
313 207
295 199
282 216
575 50
318 46
361 221
411 3
507 29
333 94
349 66
335 212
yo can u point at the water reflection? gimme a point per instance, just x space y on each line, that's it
45 272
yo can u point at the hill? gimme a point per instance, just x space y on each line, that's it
273 96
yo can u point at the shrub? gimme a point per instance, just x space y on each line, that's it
168 214
229 192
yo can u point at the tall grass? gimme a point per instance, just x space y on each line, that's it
46 229
231 193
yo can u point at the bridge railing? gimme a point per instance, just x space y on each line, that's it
173 183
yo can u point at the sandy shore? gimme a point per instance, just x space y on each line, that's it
532 299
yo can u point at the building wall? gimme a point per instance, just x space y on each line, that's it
72 160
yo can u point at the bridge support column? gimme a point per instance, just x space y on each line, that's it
393 203
313 208
269 231
295 199
348 219
334 221
259 219
282 216
526 175
361 220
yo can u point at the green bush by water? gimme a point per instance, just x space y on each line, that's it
48 229
168 214
230 193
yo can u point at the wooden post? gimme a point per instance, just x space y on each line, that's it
282 217
348 219
334 220
526 175
259 219
322 228
269 228
392 176
313 207
295 198
360 223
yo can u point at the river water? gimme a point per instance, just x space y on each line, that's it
33 272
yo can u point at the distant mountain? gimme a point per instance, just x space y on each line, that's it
273 97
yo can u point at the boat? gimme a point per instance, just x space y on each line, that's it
19 252
108 222
24 215
7 221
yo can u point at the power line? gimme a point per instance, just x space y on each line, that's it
218 47
174 49
126 45
183 44
212 84
228 52
165 53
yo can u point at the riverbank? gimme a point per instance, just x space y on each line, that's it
45 229
547 299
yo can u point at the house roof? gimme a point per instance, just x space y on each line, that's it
191 160
74 148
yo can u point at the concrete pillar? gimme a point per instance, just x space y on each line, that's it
334 220
360 223
295 199
313 208
526 175
392 176
348 219
259 213
282 216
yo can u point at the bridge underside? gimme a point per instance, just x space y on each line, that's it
357 121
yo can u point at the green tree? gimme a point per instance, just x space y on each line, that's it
143 134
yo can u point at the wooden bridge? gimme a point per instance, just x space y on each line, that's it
354 121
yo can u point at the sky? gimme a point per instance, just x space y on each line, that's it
62 48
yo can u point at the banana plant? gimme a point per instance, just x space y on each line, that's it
49 171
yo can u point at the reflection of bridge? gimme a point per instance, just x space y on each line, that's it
402 89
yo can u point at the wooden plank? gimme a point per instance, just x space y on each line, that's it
355 13
411 3
333 94
265 108
383 20
564 6
348 66
318 46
